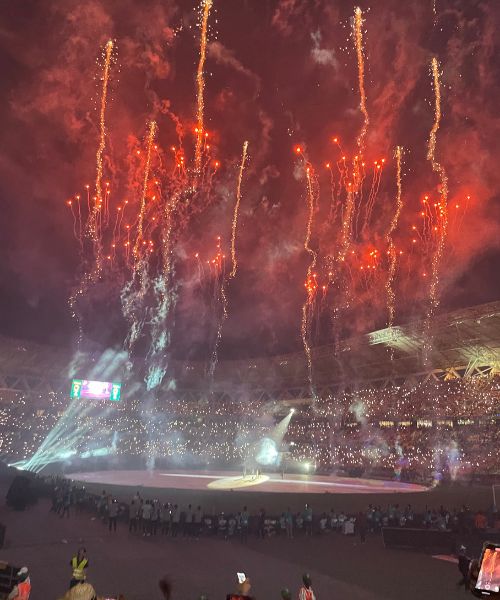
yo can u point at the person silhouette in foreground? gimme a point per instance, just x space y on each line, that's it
306 591
165 587
244 588
22 590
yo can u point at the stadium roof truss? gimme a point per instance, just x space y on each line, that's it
464 343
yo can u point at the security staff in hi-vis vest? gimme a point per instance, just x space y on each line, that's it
78 563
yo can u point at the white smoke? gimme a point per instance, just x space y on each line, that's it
322 56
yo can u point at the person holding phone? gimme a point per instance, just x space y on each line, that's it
488 577
244 586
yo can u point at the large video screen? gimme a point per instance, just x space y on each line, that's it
96 390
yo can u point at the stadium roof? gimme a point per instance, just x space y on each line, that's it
463 342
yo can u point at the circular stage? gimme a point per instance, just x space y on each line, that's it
226 480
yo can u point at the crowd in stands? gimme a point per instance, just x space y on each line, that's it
432 431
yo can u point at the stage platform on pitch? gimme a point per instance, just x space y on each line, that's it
226 480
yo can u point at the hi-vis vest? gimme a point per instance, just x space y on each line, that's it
23 590
78 568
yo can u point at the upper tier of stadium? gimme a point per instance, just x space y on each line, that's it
464 342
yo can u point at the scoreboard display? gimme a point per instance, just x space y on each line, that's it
95 390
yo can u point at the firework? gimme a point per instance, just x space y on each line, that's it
220 325
236 209
346 228
93 229
390 241
98 199
311 284
200 81
378 168
442 205
220 302
358 41
139 238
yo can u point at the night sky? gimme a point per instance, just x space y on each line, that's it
279 74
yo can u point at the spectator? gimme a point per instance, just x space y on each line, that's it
176 519
463 566
198 517
299 521
308 519
155 516
79 563
82 591
102 505
323 522
133 516
188 522
361 526
232 524
244 587
306 591
286 594
261 529
289 523
282 522
165 588
473 574
113 515
480 521
222 526
22 590
245 517
66 503
165 518
147 509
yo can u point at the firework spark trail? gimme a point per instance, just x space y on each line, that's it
200 80
236 209
442 207
80 236
219 298
215 351
166 296
75 231
390 241
334 199
92 228
346 230
372 196
136 288
358 41
222 296
441 210
310 282
147 168
94 215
